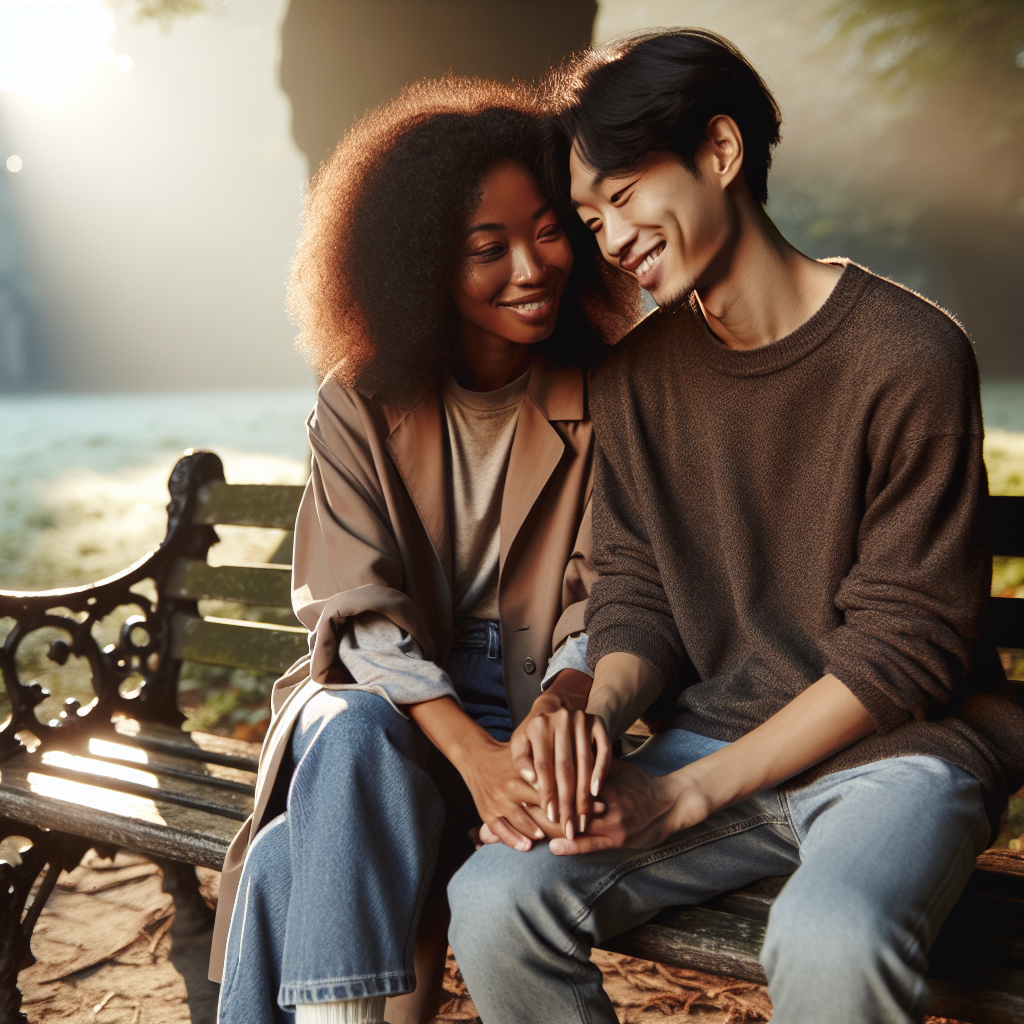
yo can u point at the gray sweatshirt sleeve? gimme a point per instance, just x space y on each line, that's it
383 658
572 654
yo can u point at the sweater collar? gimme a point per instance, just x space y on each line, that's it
792 348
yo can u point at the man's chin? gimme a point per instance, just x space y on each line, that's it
675 299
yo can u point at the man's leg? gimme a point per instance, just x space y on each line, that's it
523 924
885 851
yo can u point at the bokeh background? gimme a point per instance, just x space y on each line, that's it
153 155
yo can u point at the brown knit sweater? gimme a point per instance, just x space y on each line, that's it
764 517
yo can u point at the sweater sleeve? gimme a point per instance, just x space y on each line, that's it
912 602
628 609
383 658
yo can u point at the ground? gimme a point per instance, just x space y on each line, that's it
114 948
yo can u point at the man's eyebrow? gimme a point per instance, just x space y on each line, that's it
540 213
487 227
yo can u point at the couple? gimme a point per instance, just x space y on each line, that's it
759 519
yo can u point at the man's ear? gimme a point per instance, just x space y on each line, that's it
723 150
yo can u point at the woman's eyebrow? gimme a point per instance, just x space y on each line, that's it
485 227
540 213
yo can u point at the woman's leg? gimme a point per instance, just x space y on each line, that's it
362 825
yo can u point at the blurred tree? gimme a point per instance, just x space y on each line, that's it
914 40
162 11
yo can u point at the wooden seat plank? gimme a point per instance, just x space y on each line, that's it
267 505
155 828
234 644
269 586
206 748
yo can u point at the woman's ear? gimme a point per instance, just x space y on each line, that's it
723 149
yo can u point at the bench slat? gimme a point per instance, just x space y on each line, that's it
270 505
207 748
264 585
154 828
183 792
235 644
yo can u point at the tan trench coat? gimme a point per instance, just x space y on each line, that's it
372 533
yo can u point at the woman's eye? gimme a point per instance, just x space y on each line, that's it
491 252
551 231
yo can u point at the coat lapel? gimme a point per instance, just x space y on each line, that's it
416 445
553 394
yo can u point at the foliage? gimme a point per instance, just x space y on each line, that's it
912 40
162 11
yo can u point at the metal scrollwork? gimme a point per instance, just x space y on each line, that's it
143 645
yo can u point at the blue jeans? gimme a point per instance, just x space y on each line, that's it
480 683
332 889
879 854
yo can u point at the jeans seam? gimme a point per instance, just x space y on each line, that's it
788 816
664 853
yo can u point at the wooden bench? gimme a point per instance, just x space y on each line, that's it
120 773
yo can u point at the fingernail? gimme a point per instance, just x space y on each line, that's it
568 830
551 811
538 834
583 823
595 786
529 776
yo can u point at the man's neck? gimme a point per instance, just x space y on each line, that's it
760 288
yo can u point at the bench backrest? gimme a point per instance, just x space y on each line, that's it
172 630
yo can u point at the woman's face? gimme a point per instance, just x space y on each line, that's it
515 260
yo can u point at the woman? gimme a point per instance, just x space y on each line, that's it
441 554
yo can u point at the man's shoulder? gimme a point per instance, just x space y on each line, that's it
902 328
643 352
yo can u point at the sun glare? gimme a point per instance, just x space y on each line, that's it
48 46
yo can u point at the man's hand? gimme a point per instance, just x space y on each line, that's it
563 753
640 812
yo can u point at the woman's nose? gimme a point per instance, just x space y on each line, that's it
527 266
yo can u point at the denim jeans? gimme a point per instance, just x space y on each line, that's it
474 666
879 854
332 888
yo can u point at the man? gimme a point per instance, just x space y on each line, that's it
790 527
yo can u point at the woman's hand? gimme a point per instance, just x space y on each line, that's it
563 752
497 788
503 798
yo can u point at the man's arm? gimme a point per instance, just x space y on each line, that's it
641 812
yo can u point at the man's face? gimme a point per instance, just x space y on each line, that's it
661 222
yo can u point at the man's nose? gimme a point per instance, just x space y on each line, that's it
527 266
619 236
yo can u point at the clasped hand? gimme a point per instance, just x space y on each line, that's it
561 755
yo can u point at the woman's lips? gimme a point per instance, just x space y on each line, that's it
534 311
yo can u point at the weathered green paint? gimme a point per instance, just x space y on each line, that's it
272 505
267 586
249 645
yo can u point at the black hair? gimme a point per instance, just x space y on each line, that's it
657 91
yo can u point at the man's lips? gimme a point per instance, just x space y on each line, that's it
643 265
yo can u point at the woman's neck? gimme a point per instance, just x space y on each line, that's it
486 362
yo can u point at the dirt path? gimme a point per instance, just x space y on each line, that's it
111 948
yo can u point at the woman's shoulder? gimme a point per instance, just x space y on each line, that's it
342 416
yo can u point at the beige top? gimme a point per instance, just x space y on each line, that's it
481 426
